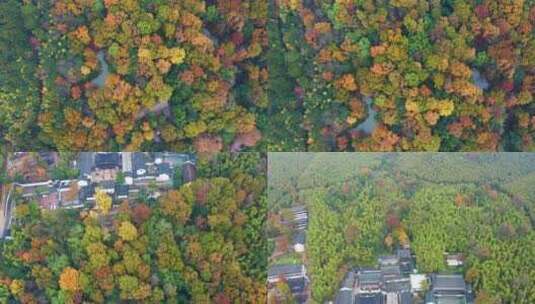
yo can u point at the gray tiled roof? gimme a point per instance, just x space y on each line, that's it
372 298
299 237
107 160
370 276
189 172
448 282
284 269
344 297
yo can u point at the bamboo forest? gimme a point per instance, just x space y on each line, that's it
463 216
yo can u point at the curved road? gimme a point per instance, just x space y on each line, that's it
5 209
5 204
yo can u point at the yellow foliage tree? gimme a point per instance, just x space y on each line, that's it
177 55
16 287
445 108
69 279
412 106
103 201
127 231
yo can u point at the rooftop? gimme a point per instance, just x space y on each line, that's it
399 285
369 298
391 271
450 299
405 298
165 168
107 160
139 161
403 253
299 237
296 285
370 276
189 172
388 260
344 297
284 269
349 280
448 282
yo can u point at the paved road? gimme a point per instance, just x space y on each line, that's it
5 208
5 204
85 162
2 214
3 193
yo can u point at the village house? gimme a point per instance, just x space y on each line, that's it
294 275
299 240
388 283
345 295
189 172
300 215
448 288
102 170
454 260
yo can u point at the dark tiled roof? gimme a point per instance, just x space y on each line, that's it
107 160
388 260
371 298
189 172
398 285
85 192
108 184
369 276
121 190
296 285
405 298
139 160
403 253
299 209
344 297
284 269
391 271
448 282
349 280
406 267
159 155
450 299
164 168
299 237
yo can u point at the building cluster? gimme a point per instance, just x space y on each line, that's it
448 288
294 275
52 194
389 283
122 175
299 224
395 281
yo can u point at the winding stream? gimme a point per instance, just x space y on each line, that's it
104 71
480 80
369 124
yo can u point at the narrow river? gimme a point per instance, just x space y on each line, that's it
104 71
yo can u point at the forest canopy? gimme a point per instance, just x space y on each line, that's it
408 75
113 75
285 75
201 242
